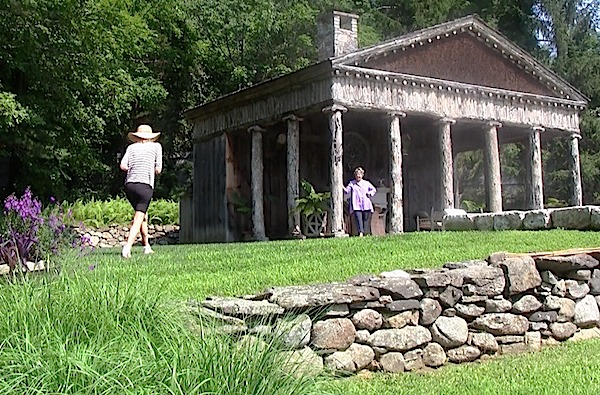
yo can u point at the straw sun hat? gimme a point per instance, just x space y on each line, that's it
143 132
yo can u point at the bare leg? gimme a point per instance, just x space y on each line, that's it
138 218
144 230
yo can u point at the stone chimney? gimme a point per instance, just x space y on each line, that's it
337 34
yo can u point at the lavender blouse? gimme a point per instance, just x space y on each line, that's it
360 194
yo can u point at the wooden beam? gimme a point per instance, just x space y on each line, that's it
395 209
446 164
293 170
535 196
575 169
493 180
256 181
336 171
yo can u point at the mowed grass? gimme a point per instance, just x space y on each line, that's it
571 368
200 270
107 325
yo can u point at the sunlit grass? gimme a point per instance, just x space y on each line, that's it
107 325
200 270
571 368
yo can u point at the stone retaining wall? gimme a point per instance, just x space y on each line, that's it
578 217
116 235
406 320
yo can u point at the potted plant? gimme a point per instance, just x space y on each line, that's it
312 205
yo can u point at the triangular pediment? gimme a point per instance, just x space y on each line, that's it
465 51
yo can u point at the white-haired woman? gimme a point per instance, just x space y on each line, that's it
142 160
361 191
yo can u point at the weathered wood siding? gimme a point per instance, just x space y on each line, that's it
361 88
210 191
266 109
186 219
462 58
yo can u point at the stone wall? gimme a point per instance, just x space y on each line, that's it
577 217
407 320
116 235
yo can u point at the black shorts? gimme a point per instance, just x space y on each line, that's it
139 195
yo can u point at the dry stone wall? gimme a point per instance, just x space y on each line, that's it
406 320
116 235
577 217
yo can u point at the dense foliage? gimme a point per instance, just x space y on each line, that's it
75 76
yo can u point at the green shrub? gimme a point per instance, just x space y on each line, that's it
98 213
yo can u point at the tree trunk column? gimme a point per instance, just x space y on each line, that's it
446 164
577 196
293 170
336 173
396 209
493 179
536 185
257 168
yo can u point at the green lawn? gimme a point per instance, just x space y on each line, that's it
102 326
197 271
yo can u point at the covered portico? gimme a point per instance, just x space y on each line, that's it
374 107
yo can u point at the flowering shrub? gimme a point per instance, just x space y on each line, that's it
28 233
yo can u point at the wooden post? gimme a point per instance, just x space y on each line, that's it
577 195
446 164
536 186
335 168
493 179
257 168
396 209
293 170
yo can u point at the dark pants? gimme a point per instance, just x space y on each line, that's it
362 219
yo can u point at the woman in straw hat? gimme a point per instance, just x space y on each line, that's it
142 160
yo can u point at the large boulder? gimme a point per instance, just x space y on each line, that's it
497 305
392 362
430 311
450 296
586 312
434 355
242 307
403 339
294 333
571 218
502 324
508 220
564 306
463 354
402 319
304 296
563 264
450 331
334 333
521 274
481 280
563 330
527 304
432 278
399 287
536 219
304 362
413 359
367 319
485 342
355 358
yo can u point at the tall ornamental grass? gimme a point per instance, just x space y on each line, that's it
98 213
91 334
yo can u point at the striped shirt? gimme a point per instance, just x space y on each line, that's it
141 160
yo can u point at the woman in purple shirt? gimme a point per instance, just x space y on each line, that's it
360 191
